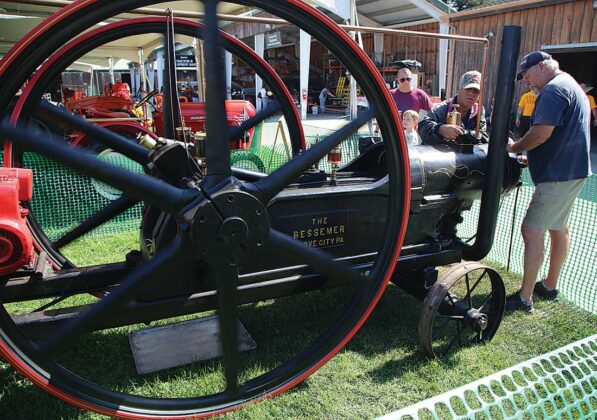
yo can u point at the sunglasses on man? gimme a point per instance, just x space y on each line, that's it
405 79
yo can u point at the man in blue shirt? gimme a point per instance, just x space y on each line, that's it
557 146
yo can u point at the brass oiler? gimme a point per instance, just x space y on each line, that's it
454 117
335 158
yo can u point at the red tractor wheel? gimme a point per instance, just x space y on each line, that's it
219 223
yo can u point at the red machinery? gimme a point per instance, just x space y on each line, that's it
101 106
16 243
72 94
115 103
119 90
115 109
194 115
118 105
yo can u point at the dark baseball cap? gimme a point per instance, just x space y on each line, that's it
531 60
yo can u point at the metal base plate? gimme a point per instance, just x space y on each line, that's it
179 344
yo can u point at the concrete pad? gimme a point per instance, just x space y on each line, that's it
174 345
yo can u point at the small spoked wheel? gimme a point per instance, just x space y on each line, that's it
465 306
209 239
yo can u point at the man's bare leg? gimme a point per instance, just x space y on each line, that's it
534 255
560 244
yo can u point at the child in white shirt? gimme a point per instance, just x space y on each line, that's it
410 119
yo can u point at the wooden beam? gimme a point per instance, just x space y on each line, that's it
501 8
428 8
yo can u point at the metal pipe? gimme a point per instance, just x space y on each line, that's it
91 80
367 29
496 154
257 19
143 80
171 104
198 69
111 69
118 119
451 59
481 89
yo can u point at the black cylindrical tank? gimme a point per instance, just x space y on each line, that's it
445 180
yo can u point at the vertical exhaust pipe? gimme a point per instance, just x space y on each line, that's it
496 155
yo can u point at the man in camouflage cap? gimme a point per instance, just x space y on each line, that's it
434 128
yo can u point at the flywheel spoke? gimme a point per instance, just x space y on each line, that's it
141 187
440 330
153 270
227 275
217 145
265 189
106 214
450 298
485 302
454 317
323 263
51 114
237 131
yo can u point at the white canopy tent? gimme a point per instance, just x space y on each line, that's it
22 16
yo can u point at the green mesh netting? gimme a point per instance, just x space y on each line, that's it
63 198
560 384
578 279
276 154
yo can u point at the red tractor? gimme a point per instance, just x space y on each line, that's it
194 116
116 111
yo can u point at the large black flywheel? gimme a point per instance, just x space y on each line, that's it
46 238
221 223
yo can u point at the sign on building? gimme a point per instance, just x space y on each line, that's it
183 60
273 39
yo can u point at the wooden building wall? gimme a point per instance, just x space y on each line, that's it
546 23
396 47
400 47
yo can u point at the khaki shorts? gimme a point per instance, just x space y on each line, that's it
551 204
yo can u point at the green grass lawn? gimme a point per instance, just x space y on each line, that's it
381 370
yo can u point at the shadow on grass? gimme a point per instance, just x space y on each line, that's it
393 326
21 399
281 328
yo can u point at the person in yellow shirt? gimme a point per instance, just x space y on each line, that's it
587 88
524 112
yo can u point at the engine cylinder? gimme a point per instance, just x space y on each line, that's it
16 242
